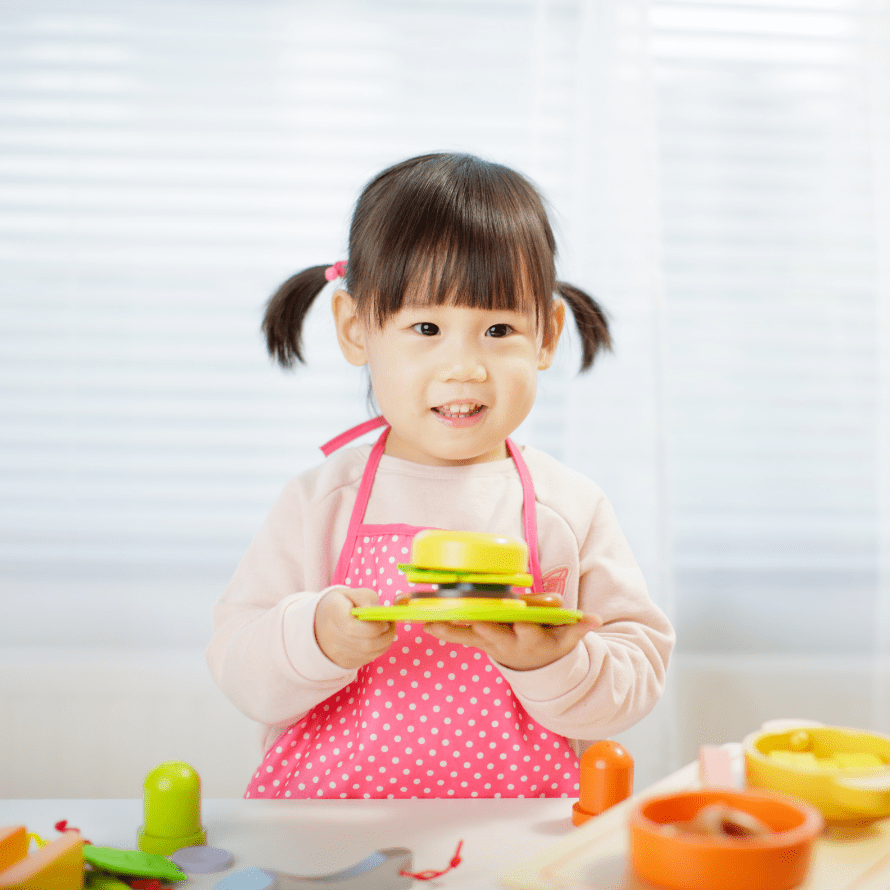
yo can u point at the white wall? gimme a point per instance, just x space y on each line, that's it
720 178
80 723
77 724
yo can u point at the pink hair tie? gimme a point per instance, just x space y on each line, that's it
338 270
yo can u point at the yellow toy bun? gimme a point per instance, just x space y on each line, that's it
474 552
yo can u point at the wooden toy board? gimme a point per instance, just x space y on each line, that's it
596 855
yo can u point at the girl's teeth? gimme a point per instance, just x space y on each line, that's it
458 410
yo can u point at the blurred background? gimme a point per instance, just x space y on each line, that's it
719 175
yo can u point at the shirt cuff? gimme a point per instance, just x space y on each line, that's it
301 649
553 681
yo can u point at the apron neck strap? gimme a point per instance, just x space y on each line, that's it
345 438
361 502
529 516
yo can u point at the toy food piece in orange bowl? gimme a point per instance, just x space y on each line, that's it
734 840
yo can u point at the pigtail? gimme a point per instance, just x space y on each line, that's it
590 321
286 311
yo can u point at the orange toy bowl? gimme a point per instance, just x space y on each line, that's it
683 861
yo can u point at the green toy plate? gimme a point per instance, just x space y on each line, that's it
458 610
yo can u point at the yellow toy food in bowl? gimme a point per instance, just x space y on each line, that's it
844 772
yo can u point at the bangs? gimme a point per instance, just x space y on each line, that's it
448 229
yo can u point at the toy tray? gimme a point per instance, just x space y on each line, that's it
469 609
598 853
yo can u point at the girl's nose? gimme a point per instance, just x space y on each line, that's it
464 366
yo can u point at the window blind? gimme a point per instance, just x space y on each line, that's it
769 175
716 175
163 167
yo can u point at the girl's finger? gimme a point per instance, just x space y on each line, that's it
496 633
369 629
452 633
579 629
361 596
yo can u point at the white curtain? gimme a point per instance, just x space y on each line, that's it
774 156
720 178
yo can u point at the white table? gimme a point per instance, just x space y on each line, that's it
318 837
527 844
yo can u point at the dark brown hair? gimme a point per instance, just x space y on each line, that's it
471 232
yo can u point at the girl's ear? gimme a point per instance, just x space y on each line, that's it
350 331
552 334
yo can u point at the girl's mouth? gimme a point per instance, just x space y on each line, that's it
458 411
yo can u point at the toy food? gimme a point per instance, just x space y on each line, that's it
134 863
720 820
467 564
845 773
58 864
469 576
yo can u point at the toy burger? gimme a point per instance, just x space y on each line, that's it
469 576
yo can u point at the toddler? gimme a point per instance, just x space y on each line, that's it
449 296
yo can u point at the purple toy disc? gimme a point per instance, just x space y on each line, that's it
202 860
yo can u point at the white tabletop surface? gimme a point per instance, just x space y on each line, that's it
319 837
507 843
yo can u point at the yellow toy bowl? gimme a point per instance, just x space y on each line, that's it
468 552
845 773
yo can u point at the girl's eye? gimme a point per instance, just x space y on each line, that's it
427 328
499 330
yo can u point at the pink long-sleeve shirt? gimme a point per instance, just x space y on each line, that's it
264 655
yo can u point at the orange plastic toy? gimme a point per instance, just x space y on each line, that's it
607 778
678 860
56 866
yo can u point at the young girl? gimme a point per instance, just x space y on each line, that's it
449 298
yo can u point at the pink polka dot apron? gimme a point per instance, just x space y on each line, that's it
427 718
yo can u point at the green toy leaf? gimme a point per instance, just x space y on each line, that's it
95 881
132 862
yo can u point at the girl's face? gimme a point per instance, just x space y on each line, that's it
452 382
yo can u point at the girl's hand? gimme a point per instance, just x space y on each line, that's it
344 639
521 646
